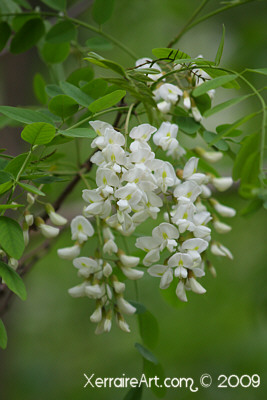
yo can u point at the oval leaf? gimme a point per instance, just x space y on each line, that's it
31 188
61 32
75 93
27 36
59 5
212 84
79 133
23 115
13 280
102 10
145 353
63 105
81 74
39 88
107 101
5 32
149 330
54 53
38 133
11 237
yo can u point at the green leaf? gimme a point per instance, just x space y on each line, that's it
29 34
19 20
81 74
59 5
224 105
61 32
38 133
10 206
96 88
39 88
53 90
212 84
145 353
5 32
102 10
216 72
3 337
5 187
226 127
249 174
220 49
140 308
75 93
14 166
11 237
53 53
107 101
187 124
252 207
149 330
63 105
102 62
262 71
23 3
203 102
98 43
4 177
135 393
13 280
23 115
31 189
171 54
209 137
232 127
87 133
150 371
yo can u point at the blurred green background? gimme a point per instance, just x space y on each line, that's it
51 340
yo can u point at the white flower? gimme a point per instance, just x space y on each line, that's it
86 266
142 132
165 234
195 286
196 114
132 273
110 137
48 231
195 247
110 247
57 219
212 156
100 127
164 272
180 261
180 291
164 106
69 253
97 315
189 190
77 291
107 270
129 261
187 101
165 134
165 176
169 92
190 167
122 323
221 227
222 184
81 229
124 306
223 210
219 250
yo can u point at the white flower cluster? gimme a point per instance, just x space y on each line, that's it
167 94
132 186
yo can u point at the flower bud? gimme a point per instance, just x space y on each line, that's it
122 323
180 291
55 218
124 306
69 253
210 156
222 184
97 314
221 227
47 231
224 211
195 286
107 270
30 199
77 291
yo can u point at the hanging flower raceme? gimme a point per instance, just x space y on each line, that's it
132 185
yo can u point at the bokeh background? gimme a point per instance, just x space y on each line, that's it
51 340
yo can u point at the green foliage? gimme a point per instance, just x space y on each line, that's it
134 393
5 33
220 49
96 88
15 165
31 189
224 105
76 94
3 335
59 5
54 53
23 115
212 84
88 133
63 31
171 54
151 370
98 43
81 74
11 237
13 280
39 88
38 133
28 35
145 353
102 10
148 327
187 124
63 106
107 101
108 64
